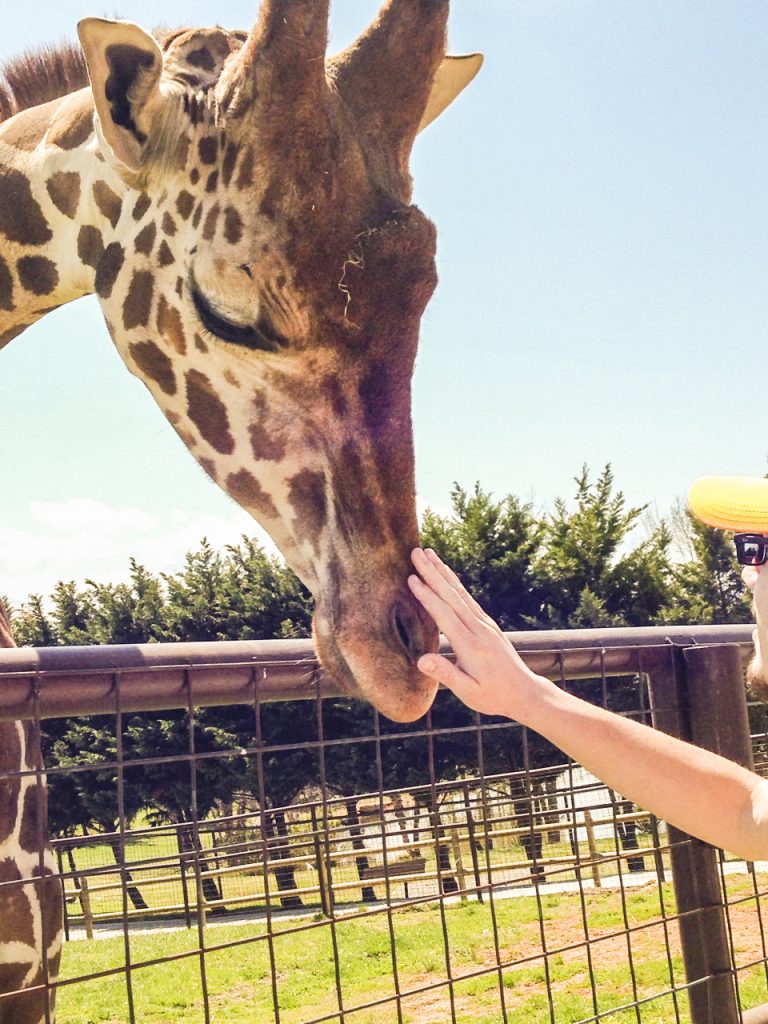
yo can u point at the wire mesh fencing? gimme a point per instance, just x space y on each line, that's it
226 855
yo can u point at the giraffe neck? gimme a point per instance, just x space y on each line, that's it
59 204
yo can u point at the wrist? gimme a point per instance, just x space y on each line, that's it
535 702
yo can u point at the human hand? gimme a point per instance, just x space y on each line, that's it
489 676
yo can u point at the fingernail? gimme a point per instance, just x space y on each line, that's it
427 664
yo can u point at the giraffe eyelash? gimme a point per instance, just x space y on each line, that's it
260 336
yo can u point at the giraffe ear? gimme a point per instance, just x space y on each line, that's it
451 78
124 64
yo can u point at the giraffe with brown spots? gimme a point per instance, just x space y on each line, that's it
241 206
31 917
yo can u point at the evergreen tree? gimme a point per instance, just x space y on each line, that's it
589 573
707 586
491 544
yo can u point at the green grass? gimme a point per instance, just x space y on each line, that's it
106 890
240 988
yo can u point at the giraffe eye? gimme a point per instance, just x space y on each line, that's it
260 335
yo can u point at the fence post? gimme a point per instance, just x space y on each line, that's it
473 843
460 872
85 903
700 697
323 879
594 856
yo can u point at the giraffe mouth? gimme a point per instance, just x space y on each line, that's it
378 664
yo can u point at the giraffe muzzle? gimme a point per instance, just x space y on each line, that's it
372 651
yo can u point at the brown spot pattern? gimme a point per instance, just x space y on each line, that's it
110 265
332 389
138 300
15 904
307 496
10 788
164 255
145 239
245 174
233 225
264 445
90 245
182 153
208 413
207 147
200 344
213 181
37 274
248 492
185 201
5 337
209 467
141 206
228 163
29 811
170 325
155 365
6 287
21 219
168 225
64 190
356 511
211 220
108 202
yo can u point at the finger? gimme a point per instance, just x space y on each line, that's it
443 671
476 607
445 583
448 622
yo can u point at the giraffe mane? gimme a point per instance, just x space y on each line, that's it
40 75
49 73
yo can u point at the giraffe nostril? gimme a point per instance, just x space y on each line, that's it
407 631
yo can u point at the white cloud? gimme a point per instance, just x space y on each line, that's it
80 539
79 515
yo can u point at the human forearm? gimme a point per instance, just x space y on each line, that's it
697 791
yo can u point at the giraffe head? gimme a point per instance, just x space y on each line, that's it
265 275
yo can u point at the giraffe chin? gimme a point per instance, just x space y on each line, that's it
376 669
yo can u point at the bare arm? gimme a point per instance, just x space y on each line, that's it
698 791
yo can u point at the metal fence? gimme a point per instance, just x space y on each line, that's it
479 875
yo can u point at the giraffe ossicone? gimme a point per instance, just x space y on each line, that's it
240 204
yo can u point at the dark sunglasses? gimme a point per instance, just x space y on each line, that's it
751 548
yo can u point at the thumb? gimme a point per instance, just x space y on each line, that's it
443 671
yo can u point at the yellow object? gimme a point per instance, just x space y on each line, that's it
738 503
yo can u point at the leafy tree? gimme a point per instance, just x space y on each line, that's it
588 572
707 586
492 545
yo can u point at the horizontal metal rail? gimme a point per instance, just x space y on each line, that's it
51 682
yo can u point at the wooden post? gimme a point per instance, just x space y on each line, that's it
473 843
699 696
594 856
85 903
460 873
323 876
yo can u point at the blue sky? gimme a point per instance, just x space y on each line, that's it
603 224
